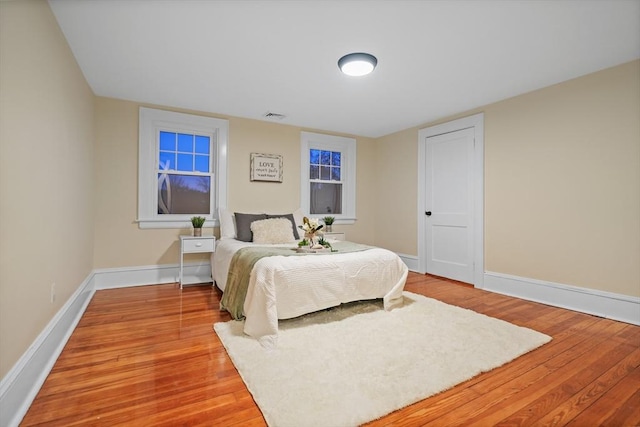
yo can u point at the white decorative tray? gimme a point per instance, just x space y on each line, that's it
304 250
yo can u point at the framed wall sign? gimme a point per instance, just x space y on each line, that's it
266 167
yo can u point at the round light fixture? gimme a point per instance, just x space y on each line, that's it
357 64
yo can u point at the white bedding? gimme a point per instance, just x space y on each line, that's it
282 287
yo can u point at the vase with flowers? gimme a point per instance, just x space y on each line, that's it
311 228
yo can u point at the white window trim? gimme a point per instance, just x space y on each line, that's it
150 121
347 146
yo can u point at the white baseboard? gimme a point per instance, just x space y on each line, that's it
609 305
21 384
411 261
113 278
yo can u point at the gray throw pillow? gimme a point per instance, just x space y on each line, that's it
243 225
290 218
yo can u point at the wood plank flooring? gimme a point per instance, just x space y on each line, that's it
148 356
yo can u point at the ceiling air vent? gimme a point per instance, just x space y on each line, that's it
273 116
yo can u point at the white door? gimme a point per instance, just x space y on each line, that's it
449 222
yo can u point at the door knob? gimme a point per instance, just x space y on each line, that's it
428 213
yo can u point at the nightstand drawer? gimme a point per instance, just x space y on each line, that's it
197 245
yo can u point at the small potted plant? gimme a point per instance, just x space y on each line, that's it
197 222
328 221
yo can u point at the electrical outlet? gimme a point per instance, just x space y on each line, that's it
53 292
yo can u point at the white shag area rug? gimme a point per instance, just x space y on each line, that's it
356 363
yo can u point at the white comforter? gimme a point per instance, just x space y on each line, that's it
282 287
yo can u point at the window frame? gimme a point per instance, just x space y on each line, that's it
347 148
151 122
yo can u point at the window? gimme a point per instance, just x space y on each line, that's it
325 177
328 165
182 168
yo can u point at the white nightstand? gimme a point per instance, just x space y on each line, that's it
192 245
335 235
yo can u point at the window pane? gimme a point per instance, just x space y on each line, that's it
335 158
185 162
325 158
185 143
168 141
314 157
167 161
183 194
202 164
202 144
325 198
335 174
325 173
314 172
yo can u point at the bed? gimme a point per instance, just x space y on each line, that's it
286 284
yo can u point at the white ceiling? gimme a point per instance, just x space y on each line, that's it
435 58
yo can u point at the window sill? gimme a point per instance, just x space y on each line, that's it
162 223
344 221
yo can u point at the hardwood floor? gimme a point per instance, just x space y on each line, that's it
149 356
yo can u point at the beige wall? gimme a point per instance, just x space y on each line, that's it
562 183
562 180
46 173
119 241
255 136
397 192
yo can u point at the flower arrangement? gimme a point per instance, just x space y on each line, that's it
311 228
325 244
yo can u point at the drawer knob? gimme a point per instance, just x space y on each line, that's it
198 244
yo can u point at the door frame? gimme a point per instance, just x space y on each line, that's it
476 122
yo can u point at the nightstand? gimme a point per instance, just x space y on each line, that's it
335 235
193 245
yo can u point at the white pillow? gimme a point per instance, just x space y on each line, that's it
227 224
297 216
272 230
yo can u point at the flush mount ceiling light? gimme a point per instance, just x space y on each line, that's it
357 64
